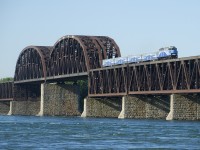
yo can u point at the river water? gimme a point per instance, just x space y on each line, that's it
30 132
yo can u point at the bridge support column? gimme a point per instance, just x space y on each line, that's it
24 107
184 107
156 107
101 107
4 107
26 100
59 99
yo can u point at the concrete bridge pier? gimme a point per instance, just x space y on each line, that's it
142 107
102 107
184 107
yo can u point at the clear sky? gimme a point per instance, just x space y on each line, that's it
137 26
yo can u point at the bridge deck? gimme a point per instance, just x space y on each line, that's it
54 78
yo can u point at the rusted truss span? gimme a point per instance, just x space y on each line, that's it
31 63
158 77
79 54
70 55
6 91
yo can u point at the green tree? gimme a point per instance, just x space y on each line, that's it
7 79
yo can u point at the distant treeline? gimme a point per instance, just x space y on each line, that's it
6 79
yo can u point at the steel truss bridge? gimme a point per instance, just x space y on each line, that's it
156 77
69 59
80 57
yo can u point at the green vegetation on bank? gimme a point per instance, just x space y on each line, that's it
8 79
83 84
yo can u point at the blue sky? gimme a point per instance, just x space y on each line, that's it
137 26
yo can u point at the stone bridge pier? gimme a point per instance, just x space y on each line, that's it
184 107
102 107
46 99
169 107
26 99
4 107
65 100
145 107
156 107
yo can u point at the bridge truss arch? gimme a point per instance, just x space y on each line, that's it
78 54
31 64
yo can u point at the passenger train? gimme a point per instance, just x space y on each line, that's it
163 53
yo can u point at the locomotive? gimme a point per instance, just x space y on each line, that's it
163 53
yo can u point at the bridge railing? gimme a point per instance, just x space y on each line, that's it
6 91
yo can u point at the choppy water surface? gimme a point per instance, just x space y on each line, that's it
25 132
